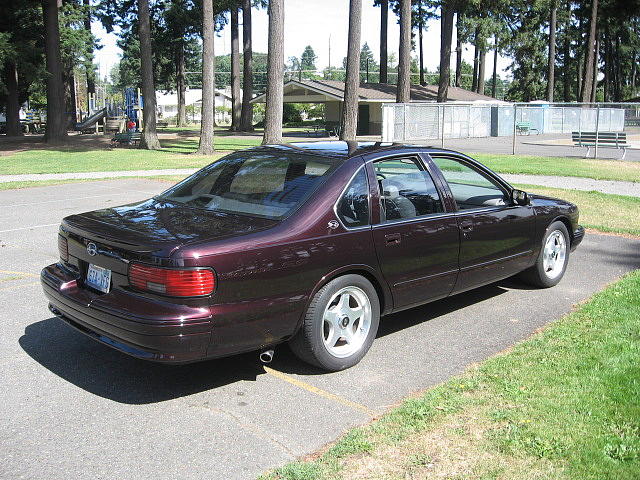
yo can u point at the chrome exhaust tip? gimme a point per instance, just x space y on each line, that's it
266 356
55 311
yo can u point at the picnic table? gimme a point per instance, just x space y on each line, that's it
126 138
525 128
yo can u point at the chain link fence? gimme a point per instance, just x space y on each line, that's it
602 130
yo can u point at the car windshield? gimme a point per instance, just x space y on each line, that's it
268 184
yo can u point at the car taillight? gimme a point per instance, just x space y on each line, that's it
63 247
170 281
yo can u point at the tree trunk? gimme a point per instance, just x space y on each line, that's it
352 80
56 131
420 28
494 86
384 16
594 85
606 82
275 73
181 117
476 59
566 58
14 128
482 63
246 116
149 135
587 78
235 71
69 81
403 91
618 71
91 73
552 54
445 51
208 89
458 51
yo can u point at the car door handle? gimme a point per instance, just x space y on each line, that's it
392 238
466 227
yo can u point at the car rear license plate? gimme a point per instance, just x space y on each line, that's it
99 278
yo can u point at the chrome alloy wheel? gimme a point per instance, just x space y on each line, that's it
346 322
555 251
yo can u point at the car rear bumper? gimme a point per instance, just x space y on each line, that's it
578 235
171 338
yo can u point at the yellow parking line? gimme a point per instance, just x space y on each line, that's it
25 274
319 391
19 286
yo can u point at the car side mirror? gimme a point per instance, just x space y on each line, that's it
519 197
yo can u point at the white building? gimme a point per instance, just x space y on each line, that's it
168 104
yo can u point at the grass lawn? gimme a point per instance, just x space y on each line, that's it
600 211
76 159
562 166
560 405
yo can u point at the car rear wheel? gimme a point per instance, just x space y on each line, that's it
340 324
553 258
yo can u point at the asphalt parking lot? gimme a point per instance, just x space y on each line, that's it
71 408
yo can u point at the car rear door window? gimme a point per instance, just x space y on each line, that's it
353 207
470 188
406 189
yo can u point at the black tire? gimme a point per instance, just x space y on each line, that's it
536 275
308 344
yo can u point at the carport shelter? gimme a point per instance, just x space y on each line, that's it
371 96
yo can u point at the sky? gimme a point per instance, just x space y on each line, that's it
318 23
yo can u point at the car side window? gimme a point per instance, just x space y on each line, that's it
406 189
471 188
353 207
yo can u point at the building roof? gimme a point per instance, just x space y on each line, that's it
375 92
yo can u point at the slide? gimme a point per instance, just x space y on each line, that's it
99 115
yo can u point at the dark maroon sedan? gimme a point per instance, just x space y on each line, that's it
308 243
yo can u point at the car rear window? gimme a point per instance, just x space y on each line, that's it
257 183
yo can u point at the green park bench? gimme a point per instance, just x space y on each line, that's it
126 138
617 140
162 124
525 128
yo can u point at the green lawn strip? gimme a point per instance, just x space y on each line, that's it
562 166
562 404
78 159
600 211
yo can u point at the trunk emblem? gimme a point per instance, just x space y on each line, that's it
92 249
333 224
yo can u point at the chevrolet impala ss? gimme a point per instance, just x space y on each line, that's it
305 243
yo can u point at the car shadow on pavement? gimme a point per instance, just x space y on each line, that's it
286 362
108 373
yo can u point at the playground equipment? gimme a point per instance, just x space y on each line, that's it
91 120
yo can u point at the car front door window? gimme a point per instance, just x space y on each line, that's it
470 188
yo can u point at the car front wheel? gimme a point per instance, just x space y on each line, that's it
553 258
340 324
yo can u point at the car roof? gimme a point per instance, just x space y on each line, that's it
344 150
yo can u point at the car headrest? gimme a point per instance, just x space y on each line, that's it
391 191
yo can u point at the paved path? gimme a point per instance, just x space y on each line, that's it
75 409
36 177
576 183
